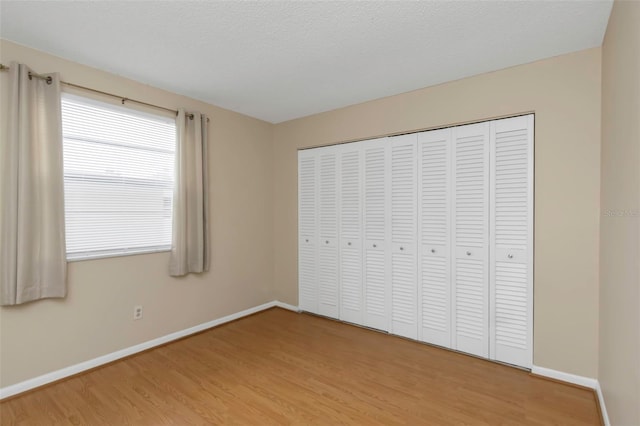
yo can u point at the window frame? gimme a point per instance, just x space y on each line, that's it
132 111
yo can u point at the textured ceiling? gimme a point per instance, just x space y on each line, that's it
281 60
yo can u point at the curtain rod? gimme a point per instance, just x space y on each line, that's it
77 86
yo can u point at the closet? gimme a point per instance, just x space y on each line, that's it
426 235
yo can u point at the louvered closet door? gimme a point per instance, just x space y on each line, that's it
377 247
471 239
328 274
434 248
404 277
307 231
512 241
350 191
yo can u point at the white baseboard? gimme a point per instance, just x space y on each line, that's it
286 306
105 359
603 407
565 377
576 380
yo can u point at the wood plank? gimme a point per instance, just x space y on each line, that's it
279 367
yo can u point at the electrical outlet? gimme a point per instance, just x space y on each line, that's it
137 312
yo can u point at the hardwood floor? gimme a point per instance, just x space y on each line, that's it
279 367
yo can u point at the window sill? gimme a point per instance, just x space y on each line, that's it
95 256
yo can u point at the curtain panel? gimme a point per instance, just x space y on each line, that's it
32 230
190 242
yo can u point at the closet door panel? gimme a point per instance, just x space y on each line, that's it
376 290
434 223
376 250
404 292
307 274
471 320
328 274
470 235
328 278
307 231
404 289
350 184
512 241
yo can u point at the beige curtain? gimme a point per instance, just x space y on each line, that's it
32 240
190 244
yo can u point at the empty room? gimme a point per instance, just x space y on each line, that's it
320 212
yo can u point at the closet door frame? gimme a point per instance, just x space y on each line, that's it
387 247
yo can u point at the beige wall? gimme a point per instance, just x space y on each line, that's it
619 367
96 317
564 92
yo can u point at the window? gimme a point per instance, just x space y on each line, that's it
118 179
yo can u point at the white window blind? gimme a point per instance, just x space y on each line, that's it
118 179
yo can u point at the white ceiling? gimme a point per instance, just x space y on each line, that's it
279 60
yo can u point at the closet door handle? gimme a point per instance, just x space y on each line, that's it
306 241
468 253
326 242
349 243
510 256
433 250
401 248
375 245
